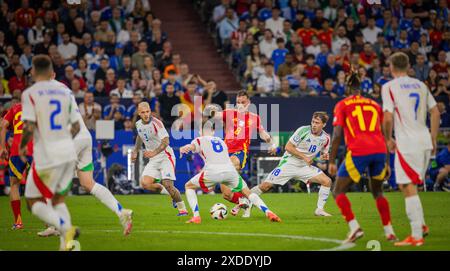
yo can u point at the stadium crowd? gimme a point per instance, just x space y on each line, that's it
297 48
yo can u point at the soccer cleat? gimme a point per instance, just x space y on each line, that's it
174 204
391 238
410 241
244 203
321 212
17 226
195 220
353 236
273 217
71 235
235 210
425 230
50 231
126 219
182 213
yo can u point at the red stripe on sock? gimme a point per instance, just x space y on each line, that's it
345 206
15 206
383 210
236 197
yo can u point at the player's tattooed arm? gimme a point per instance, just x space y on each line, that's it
75 129
160 148
335 142
27 134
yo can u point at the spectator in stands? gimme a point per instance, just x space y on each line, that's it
367 56
339 87
385 77
121 89
155 80
167 101
109 111
78 31
87 108
25 16
226 27
254 66
279 54
123 36
116 60
306 32
366 82
99 88
376 93
26 57
312 71
268 44
36 33
314 49
340 39
402 42
214 96
138 58
133 44
442 91
285 69
110 81
432 80
70 76
76 90
285 90
440 169
421 68
147 71
441 66
173 66
304 89
43 46
171 79
371 31
331 69
275 23
67 49
132 113
268 83
19 80
328 87
101 72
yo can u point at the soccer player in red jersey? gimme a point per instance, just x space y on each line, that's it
12 120
239 126
359 119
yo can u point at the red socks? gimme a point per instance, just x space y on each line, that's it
236 196
15 206
346 208
383 209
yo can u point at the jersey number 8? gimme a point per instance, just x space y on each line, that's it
217 146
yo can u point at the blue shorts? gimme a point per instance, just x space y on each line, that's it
355 166
17 166
242 156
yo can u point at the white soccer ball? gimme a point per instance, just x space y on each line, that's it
218 211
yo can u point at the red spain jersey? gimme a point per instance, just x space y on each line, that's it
239 128
14 118
361 120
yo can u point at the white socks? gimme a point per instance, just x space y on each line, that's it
414 212
388 230
50 216
63 212
256 200
181 206
324 192
353 224
256 190
106 197
192 199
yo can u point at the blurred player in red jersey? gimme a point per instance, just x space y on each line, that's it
359 119
239 126
12 120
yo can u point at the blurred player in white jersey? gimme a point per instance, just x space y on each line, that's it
161 166
303 146
406 102
218 169
51 120
85 168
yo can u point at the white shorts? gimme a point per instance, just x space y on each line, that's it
281 175
411 167
83 147
207 180
161 168
46 182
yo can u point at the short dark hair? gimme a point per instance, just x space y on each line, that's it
242 93
280 40
42 64
353 81
400 61
322 115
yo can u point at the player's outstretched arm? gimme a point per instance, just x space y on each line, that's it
3 128
335 142
186 149
435 120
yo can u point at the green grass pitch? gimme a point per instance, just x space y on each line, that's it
156 226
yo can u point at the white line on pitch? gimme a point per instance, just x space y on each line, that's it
297 237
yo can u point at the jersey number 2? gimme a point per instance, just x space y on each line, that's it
55 113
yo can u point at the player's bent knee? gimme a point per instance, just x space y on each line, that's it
265 186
